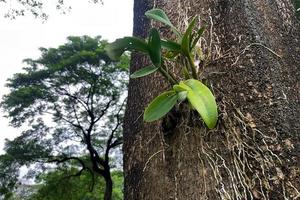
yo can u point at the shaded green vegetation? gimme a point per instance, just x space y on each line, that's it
55 186
297 6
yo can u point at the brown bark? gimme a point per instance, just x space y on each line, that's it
253 69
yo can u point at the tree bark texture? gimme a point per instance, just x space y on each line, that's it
253 68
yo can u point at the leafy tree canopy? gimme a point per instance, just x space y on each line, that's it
72 100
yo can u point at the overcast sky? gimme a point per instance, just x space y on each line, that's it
21 38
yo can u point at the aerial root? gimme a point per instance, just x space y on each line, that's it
243 166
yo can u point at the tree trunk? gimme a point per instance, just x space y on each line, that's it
253 68
108 186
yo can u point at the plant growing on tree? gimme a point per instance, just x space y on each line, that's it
180 52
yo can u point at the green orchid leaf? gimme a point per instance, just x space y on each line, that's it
160 16
116 49
181 87
199 34
154 47
182 90
170 45
186 39
160 106
201 98
182 96
144 72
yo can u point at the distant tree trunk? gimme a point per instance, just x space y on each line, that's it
254 70
108 187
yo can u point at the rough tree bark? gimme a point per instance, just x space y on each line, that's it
253 69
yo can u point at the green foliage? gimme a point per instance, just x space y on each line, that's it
160 106
71 98
116 49
203 101
181 52
154 47
61 76
29 147
171 45
60 184
18 8
159 15
297 7
187 38
144 72
8 175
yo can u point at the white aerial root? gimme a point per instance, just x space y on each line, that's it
244 165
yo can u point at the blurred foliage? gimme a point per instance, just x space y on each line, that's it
16 8
8 175
56 185
297 6
60 184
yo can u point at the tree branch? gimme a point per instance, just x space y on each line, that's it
103 111
109 141
58 161
67 93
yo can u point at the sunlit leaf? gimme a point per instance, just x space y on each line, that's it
160 15
154 47
160 106
144 72
181 87
116 49
201 98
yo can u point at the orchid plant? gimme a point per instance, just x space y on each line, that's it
188 87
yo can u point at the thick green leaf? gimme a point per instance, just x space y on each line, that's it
144 72
170 45
160 15
116 49
203 101
154 47
199 34
160 106
186 39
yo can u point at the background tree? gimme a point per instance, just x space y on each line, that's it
72 98
16 8
55 186
251 63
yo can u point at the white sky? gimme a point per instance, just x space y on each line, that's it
21 38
